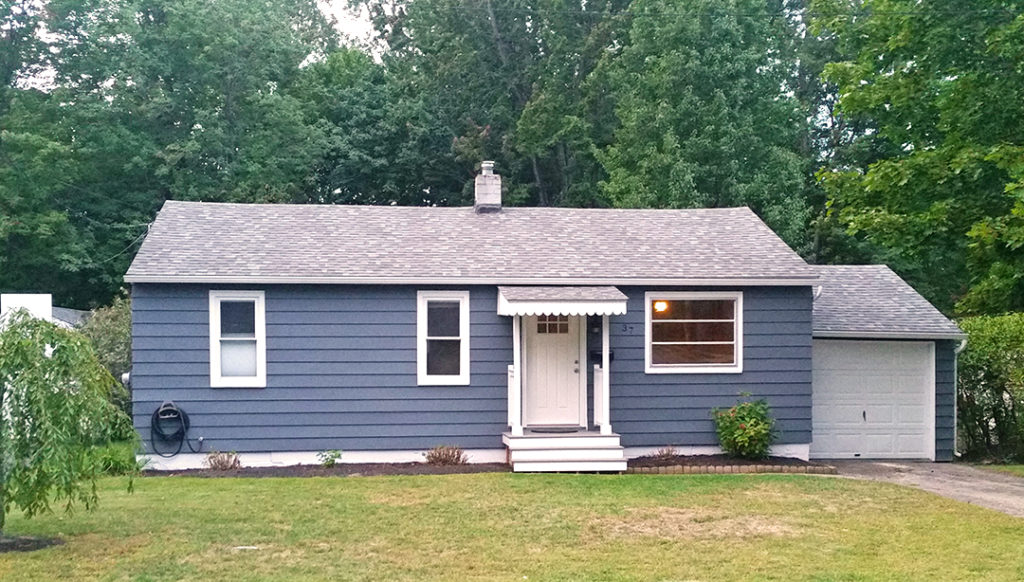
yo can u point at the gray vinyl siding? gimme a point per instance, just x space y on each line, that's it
945 399
675 409
341 372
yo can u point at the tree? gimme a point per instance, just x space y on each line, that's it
150 100
703 116
55 408
939 82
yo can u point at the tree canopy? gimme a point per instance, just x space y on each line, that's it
860 130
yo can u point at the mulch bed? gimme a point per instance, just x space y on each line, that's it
339 470
722 464
26 544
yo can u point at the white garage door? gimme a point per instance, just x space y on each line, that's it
873 400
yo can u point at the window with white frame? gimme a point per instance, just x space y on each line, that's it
442 338
238 339
694 332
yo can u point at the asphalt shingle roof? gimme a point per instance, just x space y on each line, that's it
873 301
215 242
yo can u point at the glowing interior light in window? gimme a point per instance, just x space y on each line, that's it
661 306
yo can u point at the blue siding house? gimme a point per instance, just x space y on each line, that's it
553 338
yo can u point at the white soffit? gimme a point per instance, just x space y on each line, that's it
605 300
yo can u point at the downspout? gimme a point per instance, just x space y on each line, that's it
956 394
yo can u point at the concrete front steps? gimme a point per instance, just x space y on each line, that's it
564 452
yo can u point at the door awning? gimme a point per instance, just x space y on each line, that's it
605 300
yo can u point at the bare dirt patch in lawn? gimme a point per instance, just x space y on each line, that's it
690 523
26 544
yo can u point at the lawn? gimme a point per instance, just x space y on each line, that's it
503 526
1017 470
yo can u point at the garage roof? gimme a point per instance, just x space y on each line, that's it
871 301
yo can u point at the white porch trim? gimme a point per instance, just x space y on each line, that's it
284 459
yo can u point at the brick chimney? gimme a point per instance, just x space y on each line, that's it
488 189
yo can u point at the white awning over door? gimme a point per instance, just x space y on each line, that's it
605 300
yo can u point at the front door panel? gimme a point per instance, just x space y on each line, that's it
551 380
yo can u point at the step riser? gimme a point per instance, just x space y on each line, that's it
568 466
525 443
615 454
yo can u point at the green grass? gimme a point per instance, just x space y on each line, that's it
1017 470
521 527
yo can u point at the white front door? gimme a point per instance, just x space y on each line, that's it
873 400
554 389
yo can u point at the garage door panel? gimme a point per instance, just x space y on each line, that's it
840 414
910 414
877 413
872 399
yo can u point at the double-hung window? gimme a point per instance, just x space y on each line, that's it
694 332
238 339
442 338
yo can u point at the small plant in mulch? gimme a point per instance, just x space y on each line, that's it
666 453
446 455
219 461
329 458
746 430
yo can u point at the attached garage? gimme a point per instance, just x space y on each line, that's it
883 361
873 399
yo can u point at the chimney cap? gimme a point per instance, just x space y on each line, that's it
487 167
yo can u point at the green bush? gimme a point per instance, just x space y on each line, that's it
118 458
990 395
329 458
746 430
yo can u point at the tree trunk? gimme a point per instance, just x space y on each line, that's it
542 196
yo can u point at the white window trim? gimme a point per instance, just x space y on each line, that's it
422 378
734 368
260 379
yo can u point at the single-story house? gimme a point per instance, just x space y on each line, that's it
555 338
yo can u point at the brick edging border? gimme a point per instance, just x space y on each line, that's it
733 469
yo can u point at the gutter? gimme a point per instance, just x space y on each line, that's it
956 394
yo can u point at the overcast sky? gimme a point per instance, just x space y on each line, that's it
354 25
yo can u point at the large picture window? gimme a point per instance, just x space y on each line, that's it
238 350
442 336
694 332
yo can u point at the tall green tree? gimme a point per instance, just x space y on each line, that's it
150 100
941 83
704 115
500 79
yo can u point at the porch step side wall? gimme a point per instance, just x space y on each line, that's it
341 372
654 410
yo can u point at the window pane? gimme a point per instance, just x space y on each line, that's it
690 354
237 358
692 308
443 357
442 319
238 318
692 332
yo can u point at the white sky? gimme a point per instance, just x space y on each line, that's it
353 25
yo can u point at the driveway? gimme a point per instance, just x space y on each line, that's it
989 489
